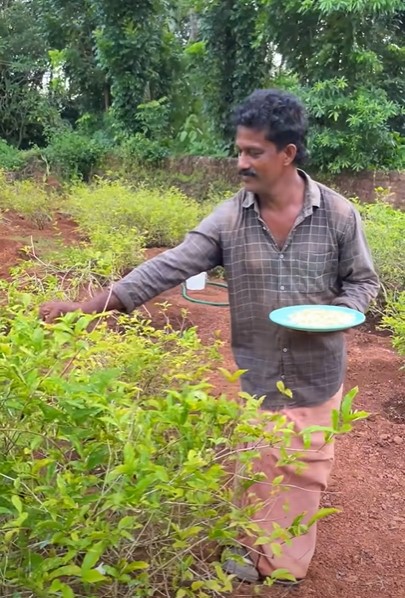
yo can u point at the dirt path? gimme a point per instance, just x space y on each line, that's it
17 232
361 552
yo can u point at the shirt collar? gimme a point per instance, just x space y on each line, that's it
312 197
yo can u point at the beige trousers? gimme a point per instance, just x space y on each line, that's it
303 491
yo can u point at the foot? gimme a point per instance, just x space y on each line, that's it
242 567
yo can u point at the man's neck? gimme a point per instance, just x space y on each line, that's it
288 192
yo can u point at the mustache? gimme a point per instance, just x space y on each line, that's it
247 172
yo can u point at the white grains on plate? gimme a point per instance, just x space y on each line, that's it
320 318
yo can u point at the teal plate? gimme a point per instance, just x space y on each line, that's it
317 318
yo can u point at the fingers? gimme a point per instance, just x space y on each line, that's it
44 312
49 312
48 316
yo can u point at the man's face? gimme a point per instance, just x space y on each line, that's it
260 163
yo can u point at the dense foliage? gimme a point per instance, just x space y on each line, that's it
153 78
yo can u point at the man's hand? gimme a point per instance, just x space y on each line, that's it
104 301
52 310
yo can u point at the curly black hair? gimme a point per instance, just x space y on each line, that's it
280 114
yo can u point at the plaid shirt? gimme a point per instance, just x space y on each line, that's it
325 260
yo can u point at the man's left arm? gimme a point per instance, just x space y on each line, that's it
358 278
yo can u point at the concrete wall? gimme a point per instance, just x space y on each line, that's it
361 184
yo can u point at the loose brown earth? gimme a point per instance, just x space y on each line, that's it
361 552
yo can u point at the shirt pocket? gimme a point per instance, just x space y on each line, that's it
315 270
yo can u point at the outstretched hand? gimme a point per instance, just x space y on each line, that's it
52 310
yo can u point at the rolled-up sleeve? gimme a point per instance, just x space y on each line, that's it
199 252
358 278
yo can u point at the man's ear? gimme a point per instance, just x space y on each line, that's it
290 151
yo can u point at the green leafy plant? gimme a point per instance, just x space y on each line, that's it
73 155
10 157
139 148
351 128
162 217
150 144
115 476
196 140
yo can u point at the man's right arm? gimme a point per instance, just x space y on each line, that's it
199 252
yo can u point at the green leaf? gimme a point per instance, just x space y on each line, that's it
66 571
357 415
57 586
347 403
307 439
92 556
283 574
16 500
283 390
129 454
93 576
126 522
321 514
40 464
137 566
276 549
232 377
19 521
335 419
262 540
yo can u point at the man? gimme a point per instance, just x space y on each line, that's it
283 240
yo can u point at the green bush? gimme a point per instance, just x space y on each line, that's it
110 484
149 145
74 155
140 149
351 128
10 157
161 217
384 227
195 139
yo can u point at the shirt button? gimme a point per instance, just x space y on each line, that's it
282 288
281 256
285 350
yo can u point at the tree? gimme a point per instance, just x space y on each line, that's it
69 26
133 43
348 62
237 59
23 63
